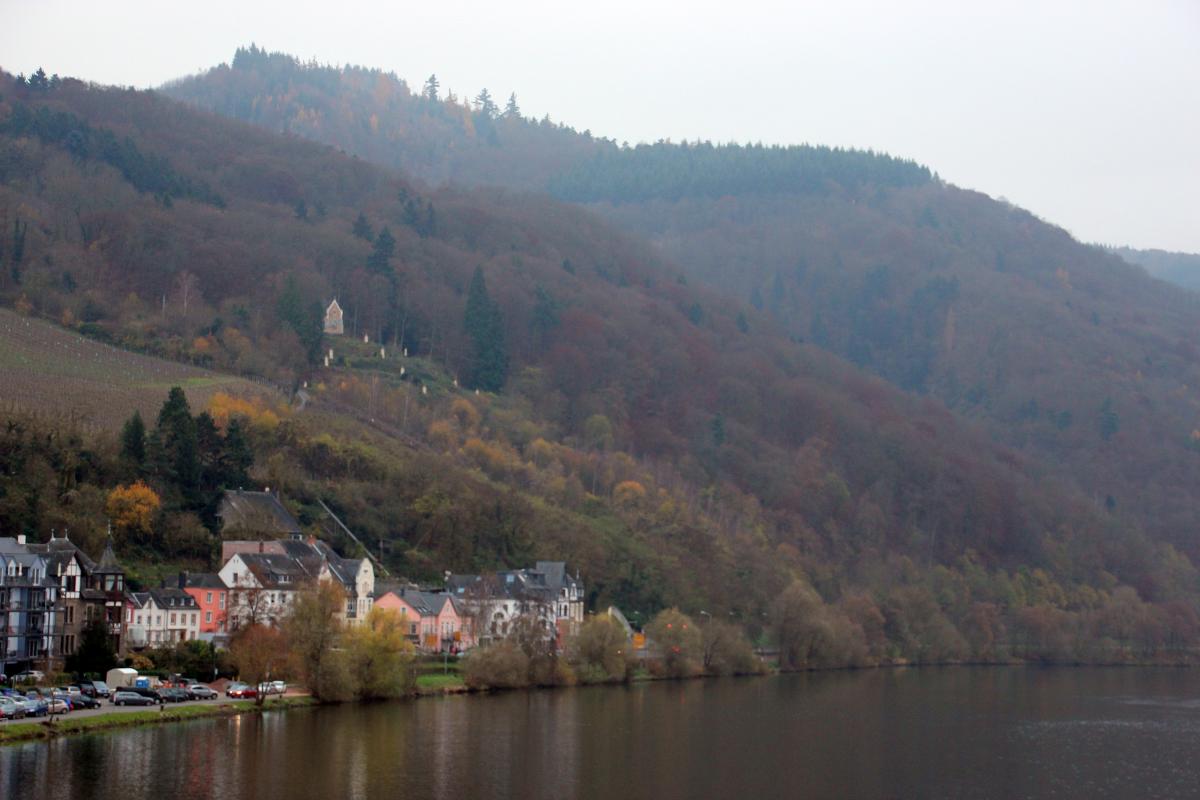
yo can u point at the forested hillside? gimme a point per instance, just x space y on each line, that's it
1059 350
1181 269
520 380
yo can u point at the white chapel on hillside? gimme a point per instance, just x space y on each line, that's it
333 319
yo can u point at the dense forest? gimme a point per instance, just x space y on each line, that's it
1181 269
1061 351
522 380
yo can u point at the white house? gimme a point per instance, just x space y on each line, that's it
161 616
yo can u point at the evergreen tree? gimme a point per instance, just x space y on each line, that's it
238 457
484 104
512 110
304 317
1110 423
485 327
133 444
301 210
718 430
177 460
380 258
95 655
430 92
362 228
545 315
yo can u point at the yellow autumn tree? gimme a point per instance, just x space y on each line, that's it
628 493
131 509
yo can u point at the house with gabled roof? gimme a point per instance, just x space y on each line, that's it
492 603
212 595
163 616
334 323
29 606
257 514
262 578
87 591
432 620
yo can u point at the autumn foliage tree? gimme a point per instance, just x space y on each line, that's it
259 652
132 509
678 641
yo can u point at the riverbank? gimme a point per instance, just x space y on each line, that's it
55 727
429 685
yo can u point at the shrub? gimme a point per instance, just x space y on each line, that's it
501 666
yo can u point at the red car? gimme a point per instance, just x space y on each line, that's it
241 690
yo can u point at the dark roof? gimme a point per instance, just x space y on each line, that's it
425 603
165 598
278 571
543 582
260 512
59 551
202 580
108 560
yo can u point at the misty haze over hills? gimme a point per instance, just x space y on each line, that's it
705 371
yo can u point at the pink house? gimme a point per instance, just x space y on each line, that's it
433 621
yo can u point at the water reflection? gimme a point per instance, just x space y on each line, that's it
986 733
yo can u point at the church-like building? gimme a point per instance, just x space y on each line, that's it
333 319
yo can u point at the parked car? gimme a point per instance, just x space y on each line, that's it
240 690
29 676
278 687
40 706
125 697
154 695
10 709
94 688
201 692
83 701
174 694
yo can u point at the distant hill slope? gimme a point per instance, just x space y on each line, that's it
48 369
672 439
1181 269
1058 349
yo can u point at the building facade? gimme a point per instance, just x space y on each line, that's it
161 617
29 624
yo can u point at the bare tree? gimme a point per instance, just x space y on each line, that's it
187 286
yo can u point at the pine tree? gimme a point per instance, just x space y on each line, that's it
177 459
380 258
430 92
95 655
305 318
485 327
133 444
511 109
484 104
362 228
238 457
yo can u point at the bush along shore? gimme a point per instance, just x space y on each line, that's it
376 661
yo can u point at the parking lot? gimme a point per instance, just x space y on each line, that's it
108 708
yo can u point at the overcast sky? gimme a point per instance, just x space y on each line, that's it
1086 113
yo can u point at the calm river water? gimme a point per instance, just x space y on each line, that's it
918 733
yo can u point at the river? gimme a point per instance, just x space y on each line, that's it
913 733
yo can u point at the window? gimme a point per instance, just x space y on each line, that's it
172 617
194 617
221 601
70 614
208 598
207 617
139 619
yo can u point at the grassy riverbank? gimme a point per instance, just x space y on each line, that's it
65 726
